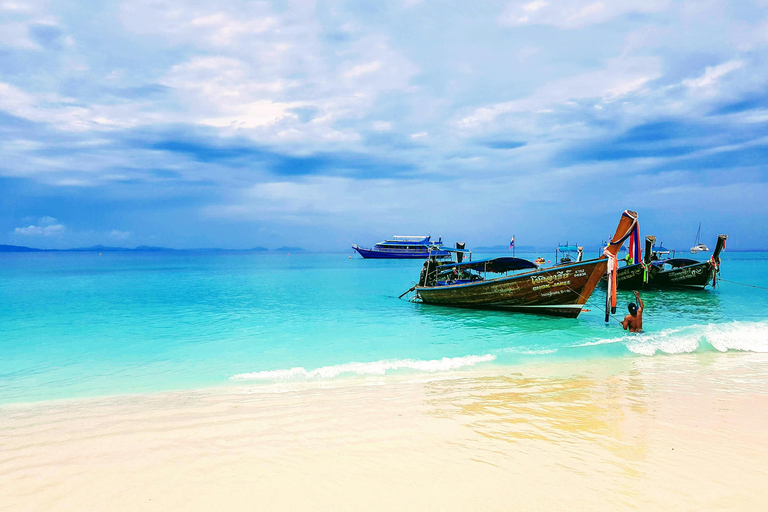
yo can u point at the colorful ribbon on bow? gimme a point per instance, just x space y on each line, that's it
613 265
634 244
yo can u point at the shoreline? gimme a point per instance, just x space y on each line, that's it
562 364
677 432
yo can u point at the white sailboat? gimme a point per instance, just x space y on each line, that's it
697 245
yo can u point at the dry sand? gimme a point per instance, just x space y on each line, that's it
685 432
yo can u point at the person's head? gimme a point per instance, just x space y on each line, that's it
632 307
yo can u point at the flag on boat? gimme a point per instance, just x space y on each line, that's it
512 243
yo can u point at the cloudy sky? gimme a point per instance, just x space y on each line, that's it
320 124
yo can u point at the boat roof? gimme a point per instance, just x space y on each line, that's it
497 265
681 262
411 238
400 240
564 248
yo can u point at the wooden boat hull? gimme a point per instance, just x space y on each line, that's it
560 291
693 276
631 277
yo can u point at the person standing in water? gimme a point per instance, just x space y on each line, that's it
634 320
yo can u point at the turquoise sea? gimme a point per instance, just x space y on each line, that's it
81 324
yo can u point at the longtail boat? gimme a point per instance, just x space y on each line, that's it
560 290
568 253
688 273
670 272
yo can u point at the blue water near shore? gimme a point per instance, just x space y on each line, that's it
80 324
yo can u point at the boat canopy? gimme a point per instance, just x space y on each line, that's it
497 265
399 238
680 262
567 248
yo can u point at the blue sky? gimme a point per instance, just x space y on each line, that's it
321 124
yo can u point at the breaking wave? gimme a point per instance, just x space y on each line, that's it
373 368
740 336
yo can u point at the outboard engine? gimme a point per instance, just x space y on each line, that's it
423 274
649 255
428 276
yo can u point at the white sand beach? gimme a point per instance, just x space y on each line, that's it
686 432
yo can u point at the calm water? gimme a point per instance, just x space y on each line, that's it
80 324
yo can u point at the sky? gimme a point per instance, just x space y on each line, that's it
237 124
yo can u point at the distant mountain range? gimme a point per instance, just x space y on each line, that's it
141 248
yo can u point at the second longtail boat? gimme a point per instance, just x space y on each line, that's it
654 272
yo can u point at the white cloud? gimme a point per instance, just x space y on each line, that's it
15 6
527 52
46 226
64 113
382 126
16 35
47 221
574 13
255 65
221 93
619 78
224 30
363 69
119 235
225 23
713 73
387 203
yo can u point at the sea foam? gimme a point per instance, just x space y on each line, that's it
372 368
741 336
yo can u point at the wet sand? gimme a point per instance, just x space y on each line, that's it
686 432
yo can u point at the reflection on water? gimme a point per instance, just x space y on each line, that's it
619 422
565 412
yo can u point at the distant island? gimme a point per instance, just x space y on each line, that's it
18 248
141 248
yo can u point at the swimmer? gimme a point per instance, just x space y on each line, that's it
634 320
